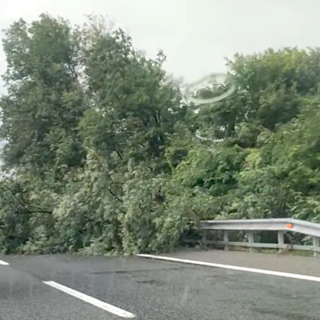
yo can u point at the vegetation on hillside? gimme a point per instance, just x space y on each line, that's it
102 156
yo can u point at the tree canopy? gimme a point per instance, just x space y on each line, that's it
102 155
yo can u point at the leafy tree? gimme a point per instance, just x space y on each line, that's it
45 100
134 105
104 157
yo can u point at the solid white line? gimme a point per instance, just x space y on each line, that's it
3 263
100 304
225 266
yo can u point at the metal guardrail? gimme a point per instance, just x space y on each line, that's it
250 226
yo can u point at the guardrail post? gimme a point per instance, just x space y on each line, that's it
250 239
204 238
226 239
280 240
315 243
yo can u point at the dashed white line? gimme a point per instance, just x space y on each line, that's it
3 263
225 266
100 304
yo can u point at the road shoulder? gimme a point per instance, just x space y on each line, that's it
308 266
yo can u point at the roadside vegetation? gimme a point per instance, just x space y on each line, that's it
102 155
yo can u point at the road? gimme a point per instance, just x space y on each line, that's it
150 289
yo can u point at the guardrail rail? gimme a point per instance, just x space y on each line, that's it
249 226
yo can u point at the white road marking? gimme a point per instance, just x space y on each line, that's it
225 266
3 263
100 304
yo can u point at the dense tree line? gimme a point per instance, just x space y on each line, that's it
102 156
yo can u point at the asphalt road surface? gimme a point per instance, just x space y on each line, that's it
34 288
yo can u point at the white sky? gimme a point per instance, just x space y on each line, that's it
196 35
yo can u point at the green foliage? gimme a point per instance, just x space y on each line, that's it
45 100
102 156
214 170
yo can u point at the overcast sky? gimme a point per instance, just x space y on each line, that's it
196 35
